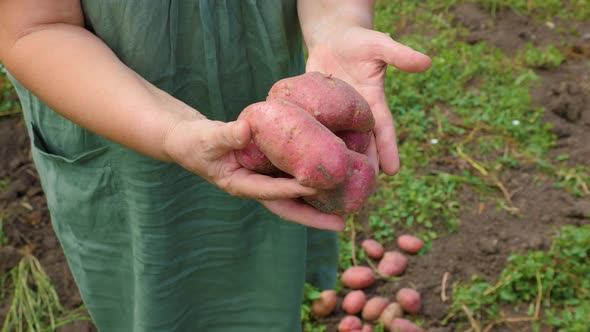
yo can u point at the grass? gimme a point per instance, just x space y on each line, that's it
554 284
34 303
9 104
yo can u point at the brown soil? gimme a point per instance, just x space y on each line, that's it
486 236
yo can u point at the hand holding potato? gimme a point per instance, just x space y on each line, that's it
360 57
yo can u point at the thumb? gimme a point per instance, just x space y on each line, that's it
232 135
401 56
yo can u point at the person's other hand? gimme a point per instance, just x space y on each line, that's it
207 147
360 57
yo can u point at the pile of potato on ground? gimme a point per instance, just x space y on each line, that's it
377 309
315 128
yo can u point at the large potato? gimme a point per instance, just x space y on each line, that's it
252 158
352 195
333 102
298 144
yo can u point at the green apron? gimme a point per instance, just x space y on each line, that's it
153 247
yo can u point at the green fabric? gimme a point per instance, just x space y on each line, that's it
152 246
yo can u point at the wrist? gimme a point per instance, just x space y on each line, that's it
336 24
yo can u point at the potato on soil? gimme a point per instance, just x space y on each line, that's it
324 306
349 324
352 195
253 159
333 102
392 264
367 328
392 311
373 248
355 140
410 243
409 299
358 277
354 302
374 308
404 325
298 144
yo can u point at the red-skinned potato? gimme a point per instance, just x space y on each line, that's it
367 328
392 264
349 324
352 195
324 306
253 159
358 277
409 299
404 325
333 102
392 311
298 144
374 308
354 302
373 248
410 243
355 140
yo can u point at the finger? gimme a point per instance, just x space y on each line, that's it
371 153
295 211
230 136
385 138
246 183
402 56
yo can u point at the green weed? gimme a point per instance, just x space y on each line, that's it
553 284
34 305
544 58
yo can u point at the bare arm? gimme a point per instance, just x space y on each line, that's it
44 45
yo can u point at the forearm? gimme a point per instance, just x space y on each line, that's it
78 76
320 18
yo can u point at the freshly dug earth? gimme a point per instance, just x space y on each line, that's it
486 236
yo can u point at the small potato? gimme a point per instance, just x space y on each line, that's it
354 302
355 140
358 277
333 102
253 159
392 264
391 312
409 299
404 325
367 328
373 248
324 306
374 308
349 324
410 243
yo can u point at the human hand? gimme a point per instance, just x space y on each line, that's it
360 57
207 147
